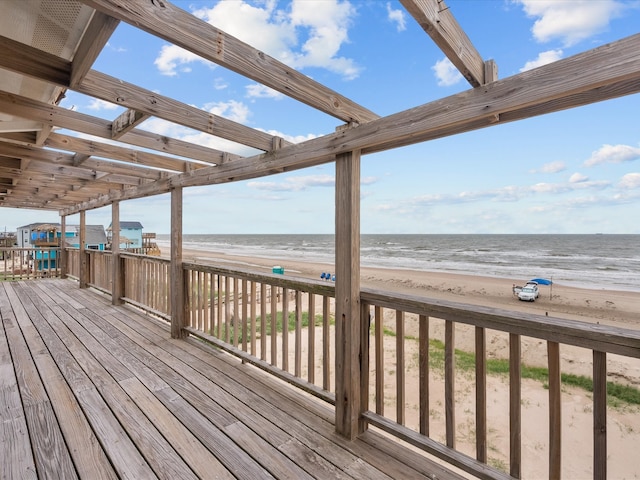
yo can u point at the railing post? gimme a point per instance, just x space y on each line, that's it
348 335
84 264
179 282
117 280
62 253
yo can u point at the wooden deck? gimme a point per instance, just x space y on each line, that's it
88 390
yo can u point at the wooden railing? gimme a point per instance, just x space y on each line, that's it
100 270
266 319
29 263
146 283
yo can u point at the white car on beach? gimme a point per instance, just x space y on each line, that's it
529 292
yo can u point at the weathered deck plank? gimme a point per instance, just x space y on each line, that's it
16 456
109 394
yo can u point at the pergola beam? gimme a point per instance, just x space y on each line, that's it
61 117
27 60
436 19
178 27
579 80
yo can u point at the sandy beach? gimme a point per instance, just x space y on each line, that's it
616 308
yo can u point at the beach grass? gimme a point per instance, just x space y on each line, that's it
466 361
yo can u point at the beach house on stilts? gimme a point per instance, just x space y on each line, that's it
132 366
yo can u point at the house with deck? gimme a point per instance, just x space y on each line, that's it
131 366
130 235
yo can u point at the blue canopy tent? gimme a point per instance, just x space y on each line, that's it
544 281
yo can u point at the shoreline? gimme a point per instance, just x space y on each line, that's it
606 306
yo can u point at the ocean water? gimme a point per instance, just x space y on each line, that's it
588 261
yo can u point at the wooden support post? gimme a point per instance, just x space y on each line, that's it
348 332
178 297
84 264
117 282
62 256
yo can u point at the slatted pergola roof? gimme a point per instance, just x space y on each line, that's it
49 46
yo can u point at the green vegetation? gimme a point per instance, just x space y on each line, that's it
466 361
291 325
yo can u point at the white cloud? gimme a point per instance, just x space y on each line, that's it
446 73
396 16
630 181
96 104
294 184
577 178
232 110
300 183
544 58
219 84
571 21
551 167
309 34
613 154
172 130
255 90
172 56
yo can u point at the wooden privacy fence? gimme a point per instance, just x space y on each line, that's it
285 326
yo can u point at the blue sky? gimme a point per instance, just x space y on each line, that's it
576 171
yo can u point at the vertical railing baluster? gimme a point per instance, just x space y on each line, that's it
449 383
253 318
365 352
206 302
236 311
515 410
298 335
274 320
379 347
227 308
311 340
400 373
599 415
555 410
481 394
285 329
326 344
220 298
263 321
423 362
245 308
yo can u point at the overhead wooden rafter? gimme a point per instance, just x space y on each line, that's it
436 19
